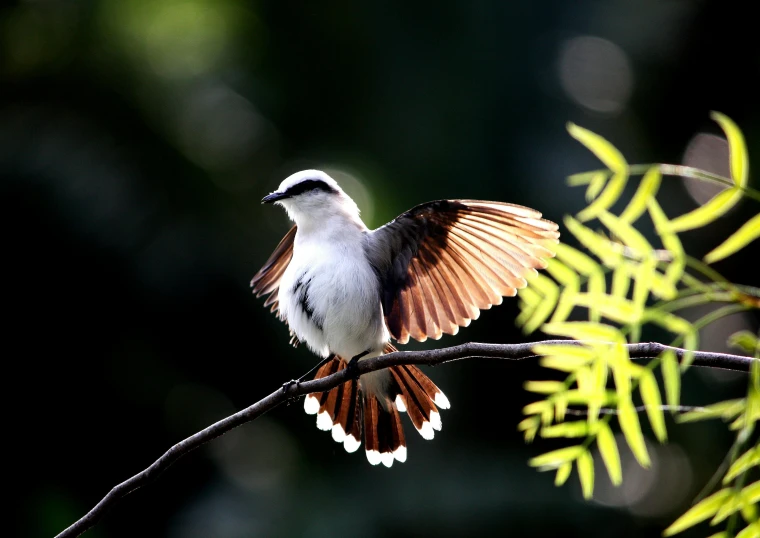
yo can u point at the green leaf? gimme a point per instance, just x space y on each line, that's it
647 190
609 451
544 387
742 237
596 185
604 151
705 509
726 410
586 473
739 160
563 472
746 341
717 206
650 395
751 458
629 423
555 458
672 378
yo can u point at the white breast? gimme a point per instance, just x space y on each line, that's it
330 296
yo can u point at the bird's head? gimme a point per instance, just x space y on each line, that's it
311 197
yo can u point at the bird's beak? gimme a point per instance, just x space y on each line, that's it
273 197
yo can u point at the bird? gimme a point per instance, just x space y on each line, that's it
347 292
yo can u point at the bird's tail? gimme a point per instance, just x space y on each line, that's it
369 409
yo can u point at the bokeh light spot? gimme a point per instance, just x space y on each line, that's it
596 74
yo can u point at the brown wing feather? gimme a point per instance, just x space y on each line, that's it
267 280
442 262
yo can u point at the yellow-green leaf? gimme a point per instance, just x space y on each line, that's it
604 151
609 451
647 190
621 281
669 240
611 307
584 330
563 472
586 473
739 160
577 428
543 310
690 344
717 206
596 185
727 410
563 363
723 534
746 461
750 531
544 387
599 245
746 341
555 458
607 198
742 237
530 296
650 395
576 259
751 493
560 406
627 234
672 378
584 178
573 350
530 427
705 509
629 423
643 283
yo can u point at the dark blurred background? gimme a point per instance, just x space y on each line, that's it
137 138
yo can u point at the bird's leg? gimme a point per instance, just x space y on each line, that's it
288 384
353 365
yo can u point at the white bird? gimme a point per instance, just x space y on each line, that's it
345 291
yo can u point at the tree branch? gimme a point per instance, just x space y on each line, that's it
427 357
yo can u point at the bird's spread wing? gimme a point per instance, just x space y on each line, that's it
442 262
267 280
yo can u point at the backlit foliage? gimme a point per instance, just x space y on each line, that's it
620 283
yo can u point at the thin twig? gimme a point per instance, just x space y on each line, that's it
431 357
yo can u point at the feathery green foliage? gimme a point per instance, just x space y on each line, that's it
648 286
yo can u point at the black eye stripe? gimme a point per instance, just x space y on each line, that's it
308 185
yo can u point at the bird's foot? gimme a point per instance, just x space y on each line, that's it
286 388
353 365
